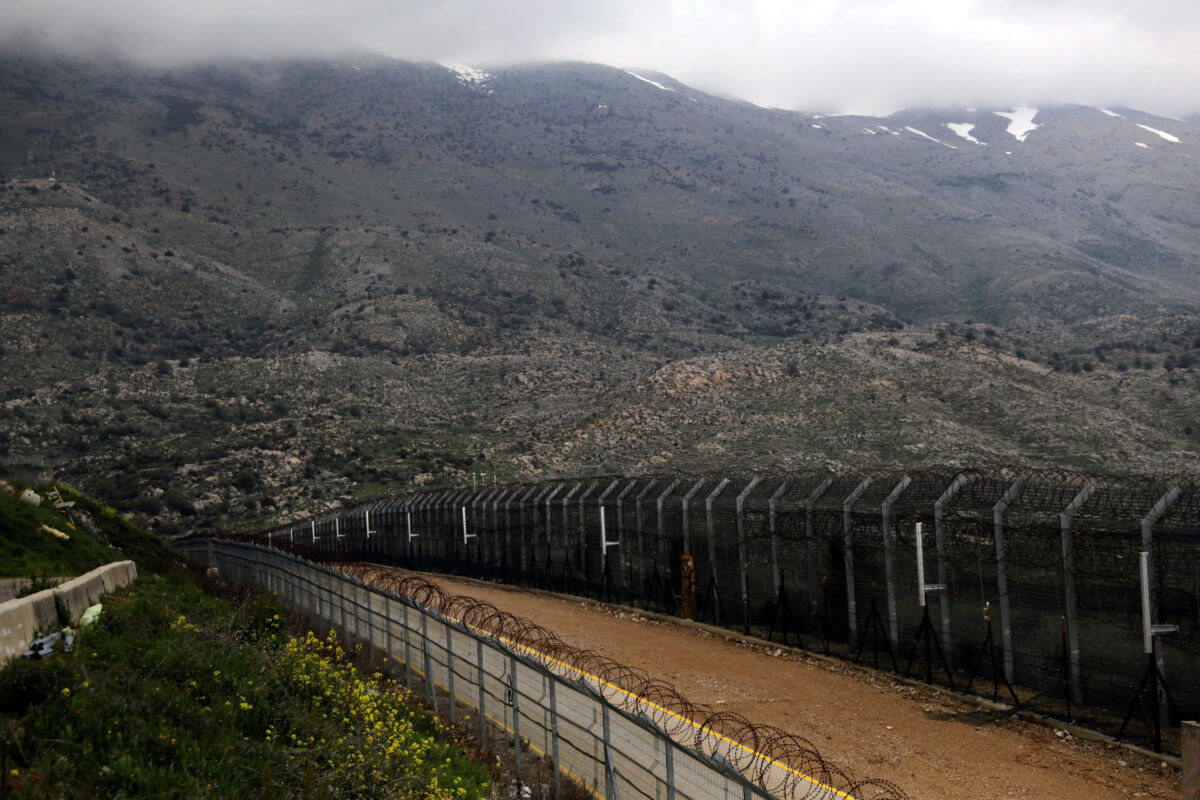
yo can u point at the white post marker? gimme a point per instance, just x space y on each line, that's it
337 527
313 522
408 519
923 588
604 541
466 536
369 531
1149 629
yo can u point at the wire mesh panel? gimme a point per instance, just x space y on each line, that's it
1034 573
536 707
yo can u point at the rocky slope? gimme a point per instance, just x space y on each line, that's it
249 289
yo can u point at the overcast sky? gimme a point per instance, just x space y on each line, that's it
871 56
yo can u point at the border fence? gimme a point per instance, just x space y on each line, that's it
612 730
1072 594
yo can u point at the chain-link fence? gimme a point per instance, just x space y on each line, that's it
1032 590
549 709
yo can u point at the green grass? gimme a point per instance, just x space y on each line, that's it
176 693
97 535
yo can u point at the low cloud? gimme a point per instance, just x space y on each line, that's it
835 55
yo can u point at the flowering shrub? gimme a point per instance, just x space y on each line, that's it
178 694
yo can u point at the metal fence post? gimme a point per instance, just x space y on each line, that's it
810 544
1002 571
773 530
638 508
427 660
939 535
482 696
581 544
889 570
554 736
387 621
450 672
621 510
516 715
661 543
711 529
1147 526
407 650
610 778
341 585
1071 601
670 759
848 555
741 534
549 525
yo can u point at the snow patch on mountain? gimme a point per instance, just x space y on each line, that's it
469 76
1109 113
652 83
1020 121
1143 144
911 129
1163 134
964 129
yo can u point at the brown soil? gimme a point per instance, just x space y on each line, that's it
932 745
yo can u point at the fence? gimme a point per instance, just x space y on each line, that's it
1033 588
538 699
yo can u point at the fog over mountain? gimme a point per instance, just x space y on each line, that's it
834 55
248 289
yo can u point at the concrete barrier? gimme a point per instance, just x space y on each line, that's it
22 619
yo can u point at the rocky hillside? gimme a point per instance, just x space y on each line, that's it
250 289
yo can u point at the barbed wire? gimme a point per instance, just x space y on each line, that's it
755 750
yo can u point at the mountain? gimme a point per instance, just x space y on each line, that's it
262 286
